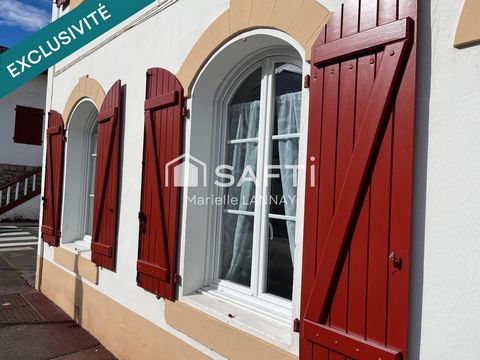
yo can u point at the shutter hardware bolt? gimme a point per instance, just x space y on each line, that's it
392 53
372 61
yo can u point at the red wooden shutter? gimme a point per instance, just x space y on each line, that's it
105 213
60 3
355 286
52 194
28 125
159 213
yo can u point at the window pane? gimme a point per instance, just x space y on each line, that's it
288 94
92 160
245 109
280 265
89 219
284 177
243 159
283 183
236 263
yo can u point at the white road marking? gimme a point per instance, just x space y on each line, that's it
16 249
17 244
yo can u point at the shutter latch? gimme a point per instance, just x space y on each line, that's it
177 279
296 325
186 112
143 221
306 82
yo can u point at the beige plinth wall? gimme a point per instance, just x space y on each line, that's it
86 88
219 336
301 19
75 3
126 334
468 30
130 336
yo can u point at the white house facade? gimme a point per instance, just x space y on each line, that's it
21 129
328 152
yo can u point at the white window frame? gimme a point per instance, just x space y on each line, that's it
252 298
89 155
81 124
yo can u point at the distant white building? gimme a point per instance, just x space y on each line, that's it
21 147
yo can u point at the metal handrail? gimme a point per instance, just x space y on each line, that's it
29 190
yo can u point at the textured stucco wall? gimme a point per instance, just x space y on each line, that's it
29 210
445 315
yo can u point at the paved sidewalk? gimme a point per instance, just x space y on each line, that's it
31 326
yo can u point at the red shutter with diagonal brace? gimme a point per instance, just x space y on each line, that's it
355 280
52 193
159 212
105 213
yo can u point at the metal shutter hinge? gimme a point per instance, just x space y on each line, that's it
177 279
306 82
186 112
296 325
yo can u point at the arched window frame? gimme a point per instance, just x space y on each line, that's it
78 176
255 295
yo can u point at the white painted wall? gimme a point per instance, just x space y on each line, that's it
27 211
445 318
446 247
32 94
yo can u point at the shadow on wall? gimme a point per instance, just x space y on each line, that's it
424 71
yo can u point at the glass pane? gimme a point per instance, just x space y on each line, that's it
284 177
236 263
288 94
89 219
243 160
280 259
245 109
92 160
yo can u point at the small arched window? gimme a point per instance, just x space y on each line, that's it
256 229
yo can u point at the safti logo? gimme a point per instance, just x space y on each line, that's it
188 171
186 167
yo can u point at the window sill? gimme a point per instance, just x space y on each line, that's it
76 258
235 321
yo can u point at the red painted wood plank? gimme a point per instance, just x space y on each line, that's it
159 204
374 115
346 344
363 42
104 234
52 195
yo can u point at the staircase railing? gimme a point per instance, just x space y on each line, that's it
20 190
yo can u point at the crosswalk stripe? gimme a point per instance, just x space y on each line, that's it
20 238
16 249
14 234
17 244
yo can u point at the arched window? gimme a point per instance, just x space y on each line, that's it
257 222
81 153
240 250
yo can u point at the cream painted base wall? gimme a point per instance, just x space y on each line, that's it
126 334
130 336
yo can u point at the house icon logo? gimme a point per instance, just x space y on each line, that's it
186 171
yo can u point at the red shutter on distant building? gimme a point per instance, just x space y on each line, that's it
159 212
28 126
356 261
52 194
62 2
105 214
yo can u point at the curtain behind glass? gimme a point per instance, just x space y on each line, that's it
238 229
288 120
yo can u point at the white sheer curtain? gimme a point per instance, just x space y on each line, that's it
238 229
288 122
